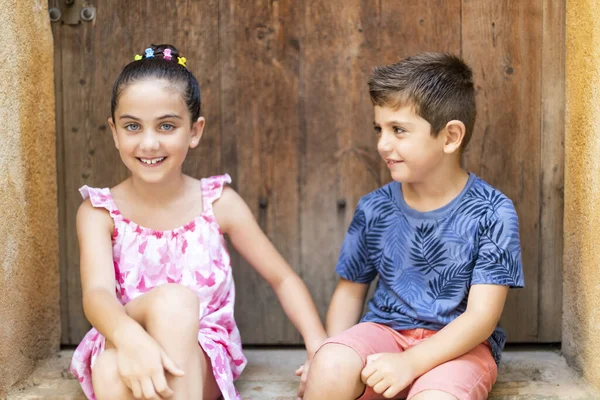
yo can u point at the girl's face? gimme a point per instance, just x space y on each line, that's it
152 130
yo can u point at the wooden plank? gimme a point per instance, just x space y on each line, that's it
339 158
502 42
552 177
260 60
60 173
410 27
92 57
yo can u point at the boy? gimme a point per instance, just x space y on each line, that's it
444 243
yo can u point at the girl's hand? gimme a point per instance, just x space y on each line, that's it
302 372
142 364
389 373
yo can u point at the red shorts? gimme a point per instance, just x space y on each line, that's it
468 377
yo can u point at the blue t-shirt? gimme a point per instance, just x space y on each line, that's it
427 261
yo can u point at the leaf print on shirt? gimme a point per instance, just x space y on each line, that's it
355 254
480 200
427 251
451 283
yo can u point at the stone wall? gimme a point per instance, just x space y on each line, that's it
29 273
581 313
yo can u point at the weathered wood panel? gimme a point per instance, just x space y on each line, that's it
289 117
552 171
260 61
502 41
339 160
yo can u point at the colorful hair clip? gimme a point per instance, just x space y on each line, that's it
167 54
137 57
149 52
182 61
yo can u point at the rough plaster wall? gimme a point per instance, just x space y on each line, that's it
29 280
581 323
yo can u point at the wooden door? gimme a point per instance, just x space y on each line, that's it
289 117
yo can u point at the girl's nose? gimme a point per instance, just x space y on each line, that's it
149 141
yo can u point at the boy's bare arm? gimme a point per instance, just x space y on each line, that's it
474 326
346 306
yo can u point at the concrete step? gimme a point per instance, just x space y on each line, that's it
524 374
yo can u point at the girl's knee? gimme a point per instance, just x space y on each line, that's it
176 306
106 379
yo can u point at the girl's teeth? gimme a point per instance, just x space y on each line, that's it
154 161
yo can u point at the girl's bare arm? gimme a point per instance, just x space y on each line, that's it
101 307
237 221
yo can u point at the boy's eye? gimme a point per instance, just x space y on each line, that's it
167 127
377 130
398 130
132 127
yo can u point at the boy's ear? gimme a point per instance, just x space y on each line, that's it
197 131
113 129
455 133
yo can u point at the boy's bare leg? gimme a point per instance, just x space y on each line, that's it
335 374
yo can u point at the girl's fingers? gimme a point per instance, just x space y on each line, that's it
161 386
170 365
136 389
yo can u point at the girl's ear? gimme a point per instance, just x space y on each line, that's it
197 131
113 128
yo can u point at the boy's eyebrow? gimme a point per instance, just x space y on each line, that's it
404 123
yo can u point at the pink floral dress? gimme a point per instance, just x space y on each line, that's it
194 255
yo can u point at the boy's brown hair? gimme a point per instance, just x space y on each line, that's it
438 85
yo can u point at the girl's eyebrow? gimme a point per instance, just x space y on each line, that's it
127 116
170 116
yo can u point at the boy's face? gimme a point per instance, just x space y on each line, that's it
406 145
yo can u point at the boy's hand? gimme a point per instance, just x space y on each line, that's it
302 372
389 373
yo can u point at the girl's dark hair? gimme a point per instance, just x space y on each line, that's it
159 67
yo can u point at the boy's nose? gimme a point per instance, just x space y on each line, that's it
384 145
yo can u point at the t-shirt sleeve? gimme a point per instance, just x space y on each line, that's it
499 254
353 263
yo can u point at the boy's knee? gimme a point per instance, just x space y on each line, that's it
334 362
433 395
106 379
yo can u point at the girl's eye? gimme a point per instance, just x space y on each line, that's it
167 127
132 127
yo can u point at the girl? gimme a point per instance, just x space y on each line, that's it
156 276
